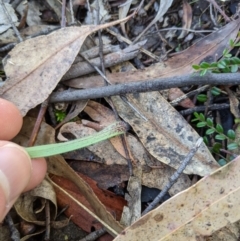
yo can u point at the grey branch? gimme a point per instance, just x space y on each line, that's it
146 86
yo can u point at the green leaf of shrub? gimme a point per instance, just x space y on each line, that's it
231 134
201 124
215 91
204 65
232 146
209 122
220 137
222 64
210 131
202 98
203 72
216 147
222 162
196 67
219 128
234 68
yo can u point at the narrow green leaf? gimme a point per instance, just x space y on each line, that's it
219 128
201 124
202 97
210 131
196 114
220 137
203 72
201 117
231 43
232 146
196 67
215 91
205 139
213 65
204 65
225 51
193 120
209 122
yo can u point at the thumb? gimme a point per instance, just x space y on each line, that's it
15 173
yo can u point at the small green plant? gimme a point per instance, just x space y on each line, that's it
203 97
60 115
228 63
218 133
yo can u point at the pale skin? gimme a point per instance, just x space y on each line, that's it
18 173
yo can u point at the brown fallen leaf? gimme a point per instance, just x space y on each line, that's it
25 203
111 201
164 132
194 213
186 19
35 66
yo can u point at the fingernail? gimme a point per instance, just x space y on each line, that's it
15 170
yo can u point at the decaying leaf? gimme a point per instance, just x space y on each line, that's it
34 70
194 213
25 203
164 132
111 201
187 18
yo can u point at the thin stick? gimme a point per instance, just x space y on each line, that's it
146 86
174 177
203 108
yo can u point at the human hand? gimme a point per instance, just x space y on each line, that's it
18 173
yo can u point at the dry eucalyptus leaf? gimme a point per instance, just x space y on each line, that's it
186 18
132 212
4 22
165 133
35 66
58 166
195 213
25 203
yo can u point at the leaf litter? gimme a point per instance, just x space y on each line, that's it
159 134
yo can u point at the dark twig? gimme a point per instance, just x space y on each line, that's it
174 177
146 86
7 47
203 108
15 235
48 220
94 235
